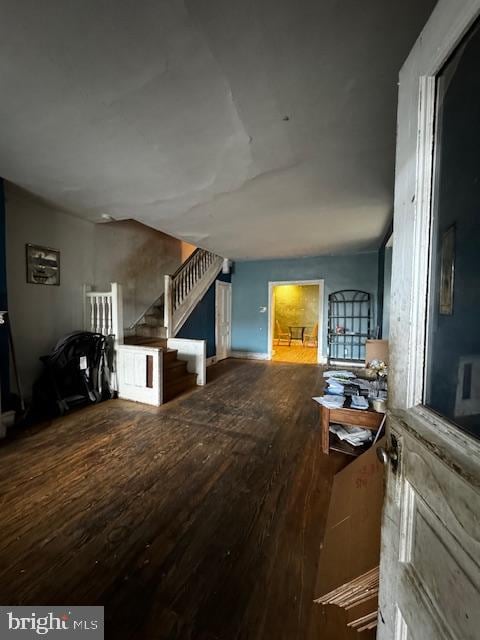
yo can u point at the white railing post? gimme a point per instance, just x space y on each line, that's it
168 306
86 307
117 311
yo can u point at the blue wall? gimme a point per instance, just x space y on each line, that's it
4 356
201 323
250 290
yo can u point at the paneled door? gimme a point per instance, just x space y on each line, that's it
430 558
223 321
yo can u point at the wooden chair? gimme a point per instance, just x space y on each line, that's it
309 338
282 335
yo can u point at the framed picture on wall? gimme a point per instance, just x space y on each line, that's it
43 265
447 274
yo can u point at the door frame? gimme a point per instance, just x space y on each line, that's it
321 359
419 430
228 285
443 32
412 228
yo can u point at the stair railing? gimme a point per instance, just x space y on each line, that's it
103 311
183 290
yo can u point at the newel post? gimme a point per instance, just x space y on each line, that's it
117 311
168 307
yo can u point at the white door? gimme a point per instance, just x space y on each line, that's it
223 323
430 559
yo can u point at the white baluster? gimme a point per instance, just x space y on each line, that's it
99 314
92 313
105 316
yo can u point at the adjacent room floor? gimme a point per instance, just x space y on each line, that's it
202 519
295 353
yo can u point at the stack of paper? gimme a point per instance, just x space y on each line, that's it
353 435
339 375
365 385
331 402
359 402
334 387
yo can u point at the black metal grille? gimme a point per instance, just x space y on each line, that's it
349 324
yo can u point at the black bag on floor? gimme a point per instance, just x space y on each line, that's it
74 374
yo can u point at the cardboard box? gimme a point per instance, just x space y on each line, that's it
376 350
352 540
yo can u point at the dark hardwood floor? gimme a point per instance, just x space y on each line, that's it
200 520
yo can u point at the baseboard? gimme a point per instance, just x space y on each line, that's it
211 360
249 355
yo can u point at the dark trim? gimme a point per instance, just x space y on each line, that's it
4 349
381 278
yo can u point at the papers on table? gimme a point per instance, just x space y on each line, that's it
359 402
356 436
331 402
334 387
365 385
339 375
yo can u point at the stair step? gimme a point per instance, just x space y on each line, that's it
169 355
150 331
174 370
153 320
175 387
146 341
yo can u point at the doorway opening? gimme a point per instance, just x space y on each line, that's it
296 321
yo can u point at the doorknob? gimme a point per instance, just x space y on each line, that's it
389 455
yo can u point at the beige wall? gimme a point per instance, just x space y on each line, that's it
138 257
127 252
296 305
39 314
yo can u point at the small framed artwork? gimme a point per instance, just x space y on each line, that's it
43 265
447 273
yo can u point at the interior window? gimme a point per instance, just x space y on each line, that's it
453 347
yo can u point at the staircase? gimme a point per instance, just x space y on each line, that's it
183 291
176 378
152 324
162 321
147 367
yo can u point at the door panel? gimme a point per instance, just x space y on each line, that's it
430 568
223 319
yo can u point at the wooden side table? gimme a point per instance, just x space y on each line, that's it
366 418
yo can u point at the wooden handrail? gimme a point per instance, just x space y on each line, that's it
185 284
190 257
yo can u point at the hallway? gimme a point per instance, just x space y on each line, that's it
200 519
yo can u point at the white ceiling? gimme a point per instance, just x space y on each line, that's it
255 128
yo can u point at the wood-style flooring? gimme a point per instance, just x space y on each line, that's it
295 353
200 520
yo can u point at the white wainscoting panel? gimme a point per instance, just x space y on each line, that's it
132 368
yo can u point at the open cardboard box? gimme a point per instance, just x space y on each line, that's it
352 541
376 350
